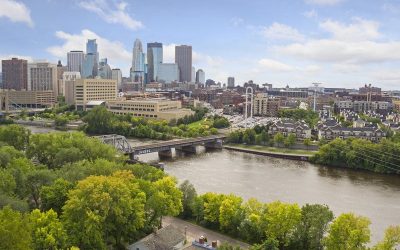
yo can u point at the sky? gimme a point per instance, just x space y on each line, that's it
340 43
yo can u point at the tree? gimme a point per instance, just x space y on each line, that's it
282 220
103 210
348 231
7 182
188 198
47 231
253 225
14 230
15 135
230 214
99 120
264 137
307 142
391 239
7 153
290 140
35 180
312 227
279 138
55 195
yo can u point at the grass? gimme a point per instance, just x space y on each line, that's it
274 149
202 122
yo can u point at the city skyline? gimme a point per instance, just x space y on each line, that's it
337 42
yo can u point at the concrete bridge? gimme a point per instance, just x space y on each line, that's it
164 149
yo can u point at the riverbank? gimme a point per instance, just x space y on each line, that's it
284 153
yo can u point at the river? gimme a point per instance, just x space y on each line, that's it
268 179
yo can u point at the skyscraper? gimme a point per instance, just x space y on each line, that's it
117 75
138 61
200 76
231 82
91 62
168 72
104 69
14 74
183 57
75 61
154 59
42 76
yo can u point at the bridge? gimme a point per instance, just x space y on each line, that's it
163 148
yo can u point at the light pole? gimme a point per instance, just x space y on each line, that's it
249 91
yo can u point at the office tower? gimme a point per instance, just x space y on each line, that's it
231 82
116 74
193 77
91 62
69 79
14 74
104 69
75 60
183 57
60 71
168 72
154 59
42 76
200 76
138 61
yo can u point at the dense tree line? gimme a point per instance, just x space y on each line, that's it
279 225
382 157
309 116
101 121
67 190
197 116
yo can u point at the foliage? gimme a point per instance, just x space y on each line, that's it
348 231
220 122
279 138
14 135
7 153
391 239
290 140
55 195
14 230
188 199
309 116
102 210
197 116
257 135
361 154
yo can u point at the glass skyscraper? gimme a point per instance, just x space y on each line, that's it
138 63
154 59
91 62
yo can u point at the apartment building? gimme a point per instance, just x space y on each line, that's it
287 126
368 133
263 105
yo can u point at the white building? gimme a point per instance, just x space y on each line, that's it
117 75
200 76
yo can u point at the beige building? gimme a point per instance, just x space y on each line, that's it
42 76
149 108
86 90
266 106
26 99
68 86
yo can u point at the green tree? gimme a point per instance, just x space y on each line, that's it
290 140
20 168
15 135
55 195
104 210
230 214
99 120
391 239
34 182
264 137
47 231
312 227
279 139
14 230
7 153
188 198
282 220
348 231
212 202
252 227
7 182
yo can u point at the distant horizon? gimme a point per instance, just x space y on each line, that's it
340 43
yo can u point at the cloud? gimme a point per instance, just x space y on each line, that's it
280 31
324 2
16 12
169 53
354 43
113 50
112 12
236 21
274 65
310 14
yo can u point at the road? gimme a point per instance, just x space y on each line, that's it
194 232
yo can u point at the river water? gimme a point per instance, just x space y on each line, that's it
268 179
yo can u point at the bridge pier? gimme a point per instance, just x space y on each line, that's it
187 149
217 144
165 154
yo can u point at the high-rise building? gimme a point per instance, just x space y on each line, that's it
116 74
200 76
87 90
75 60
231 82
42 76
91 62
138 63
193 78
168 72
68 86
60 71
154 59
183 57
104 69
14 74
